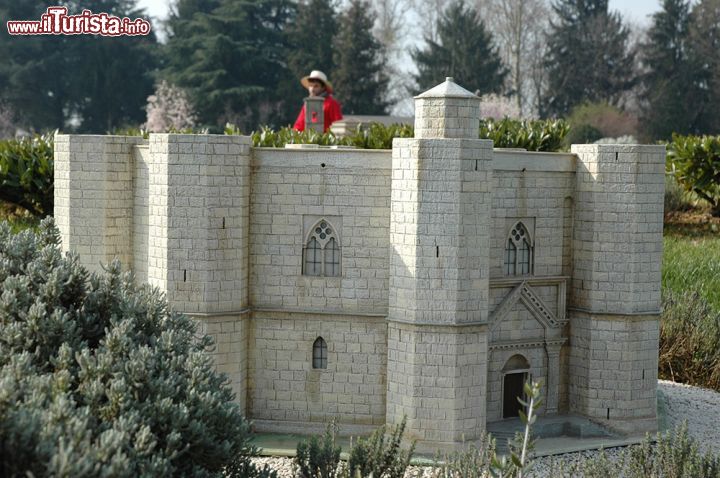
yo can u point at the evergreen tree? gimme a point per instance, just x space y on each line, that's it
359 78
230 56
588 57
58 81
464 50
704 46
672 97
311 38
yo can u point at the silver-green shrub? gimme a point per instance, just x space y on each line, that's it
99 378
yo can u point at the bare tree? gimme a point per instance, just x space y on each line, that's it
519 28
428 13
392 31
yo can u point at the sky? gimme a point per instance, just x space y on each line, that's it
637 10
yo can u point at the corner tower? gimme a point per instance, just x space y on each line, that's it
615 307
439 270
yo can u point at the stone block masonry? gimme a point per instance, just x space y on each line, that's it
94 196
456 270
199 191
615 309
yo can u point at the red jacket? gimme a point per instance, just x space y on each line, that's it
331 112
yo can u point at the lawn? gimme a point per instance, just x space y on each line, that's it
691 256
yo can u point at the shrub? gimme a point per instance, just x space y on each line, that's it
607 120
689 340
674 455
695 162
99 378
378 136
676 198
379 458
472 461
266 137
319 457
26 173
535 135
583 134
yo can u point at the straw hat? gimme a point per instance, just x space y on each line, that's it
317 75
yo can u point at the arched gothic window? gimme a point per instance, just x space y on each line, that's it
319 353
321 254
518 252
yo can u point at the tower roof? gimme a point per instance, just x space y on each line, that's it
447 89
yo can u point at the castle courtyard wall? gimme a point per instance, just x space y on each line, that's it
422 320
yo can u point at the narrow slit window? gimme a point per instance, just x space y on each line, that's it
518 252
322 253
319 353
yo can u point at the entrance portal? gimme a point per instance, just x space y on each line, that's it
512 390
515 373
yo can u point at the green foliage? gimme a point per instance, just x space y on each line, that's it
583 134
591 121
230 57
670 455
692 264
588 58
99 378
704 43
472 461
378 136
695 162
538 135
359 79
673 94
319 457
690 340
311 38
54 80
26 173
465 51
266 137
676 198
376 457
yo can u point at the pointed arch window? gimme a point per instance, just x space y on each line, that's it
518 258
321 254
319 353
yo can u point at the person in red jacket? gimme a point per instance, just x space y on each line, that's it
317 84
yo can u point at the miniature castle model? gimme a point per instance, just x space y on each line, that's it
430 282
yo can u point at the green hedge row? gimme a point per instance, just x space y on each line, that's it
26 165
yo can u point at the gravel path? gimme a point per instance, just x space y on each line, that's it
698 406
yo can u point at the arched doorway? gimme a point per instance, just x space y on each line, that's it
515 373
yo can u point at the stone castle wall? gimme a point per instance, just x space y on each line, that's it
423 319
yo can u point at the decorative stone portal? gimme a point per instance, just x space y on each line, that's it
515 374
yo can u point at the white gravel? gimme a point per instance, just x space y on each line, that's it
698 406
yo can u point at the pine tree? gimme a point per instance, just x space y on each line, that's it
464 50
230 56
359 80
672 98
704 46
311 38
53 81
588 57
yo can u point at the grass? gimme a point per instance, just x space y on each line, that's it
691 256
